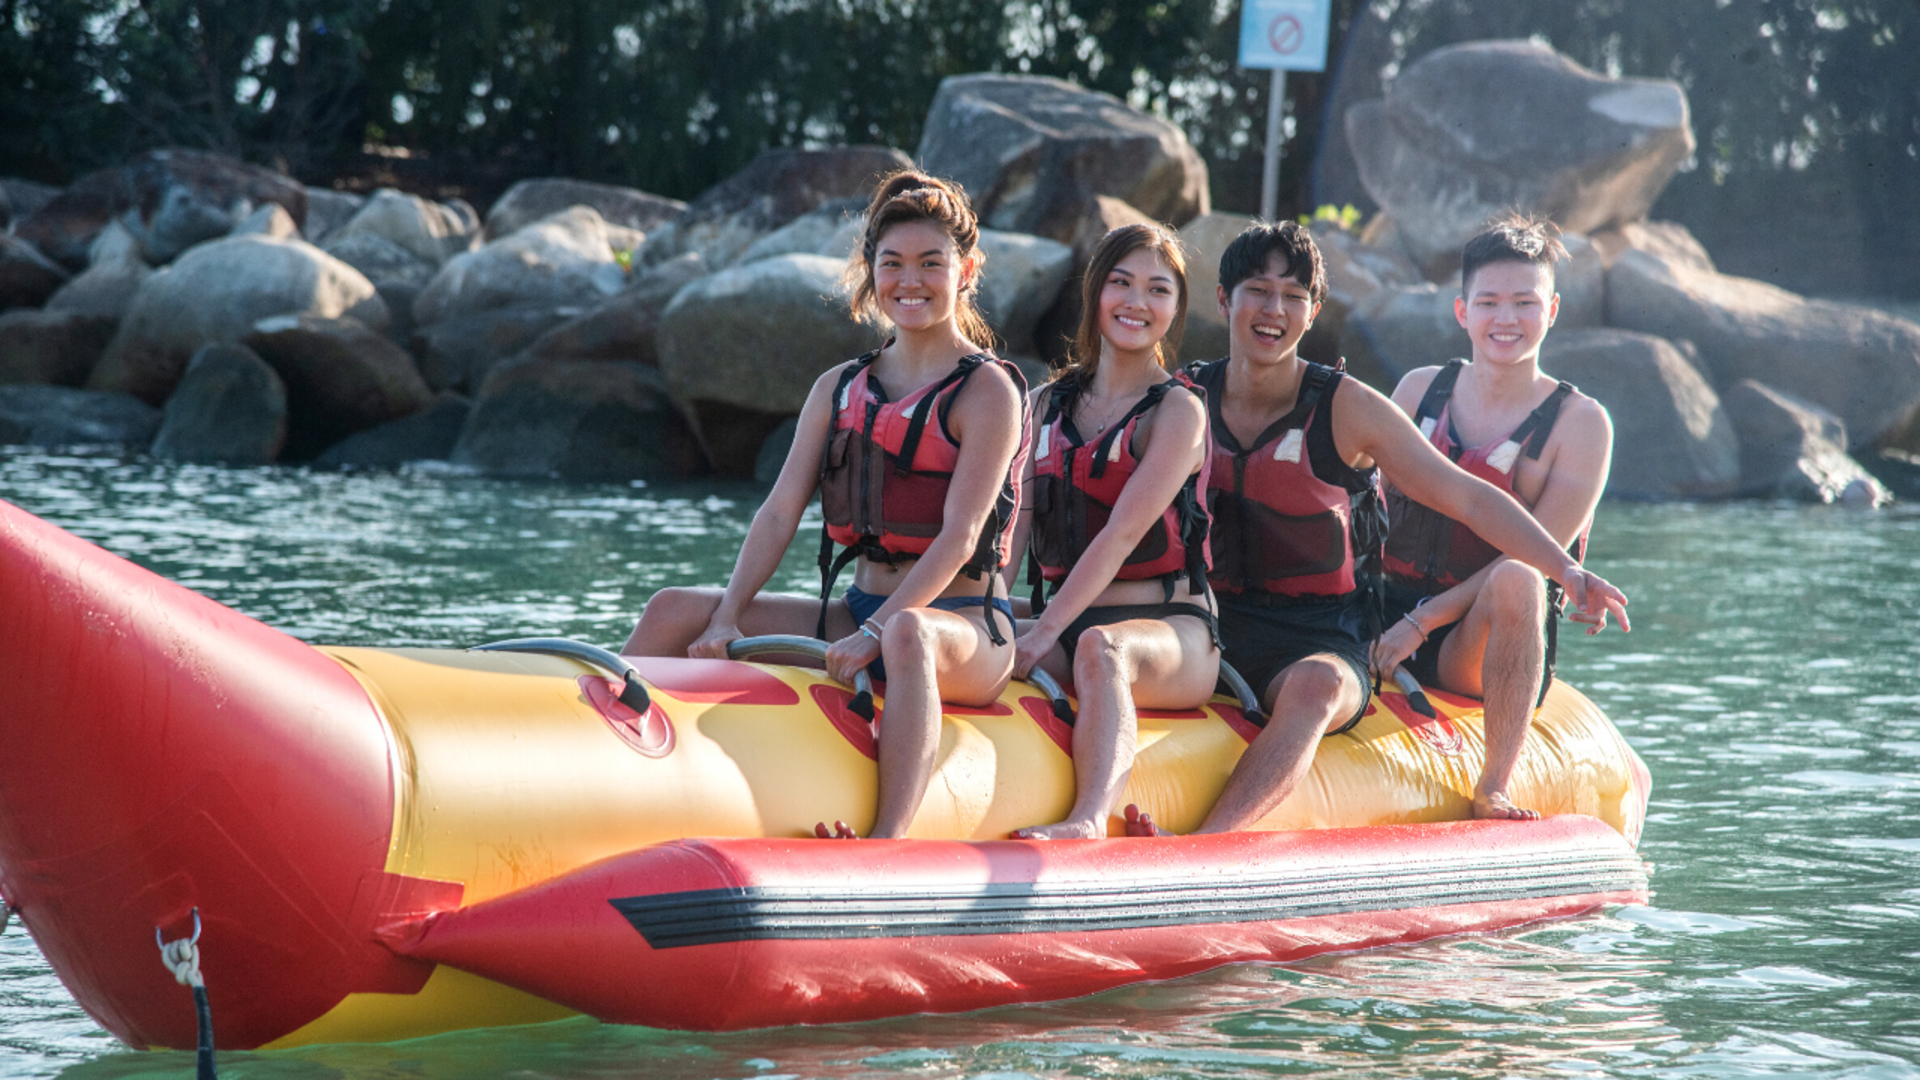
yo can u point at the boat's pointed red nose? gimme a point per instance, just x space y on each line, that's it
160 752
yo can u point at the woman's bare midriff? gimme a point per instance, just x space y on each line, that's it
880 579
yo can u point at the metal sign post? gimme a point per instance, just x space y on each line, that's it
1282 35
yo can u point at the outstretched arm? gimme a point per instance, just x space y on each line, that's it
1378 429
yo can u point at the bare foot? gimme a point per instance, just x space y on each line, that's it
1140 824
1065 830
840 831
1497 806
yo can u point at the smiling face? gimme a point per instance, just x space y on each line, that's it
917 275
1268 313
1507 310
1138 301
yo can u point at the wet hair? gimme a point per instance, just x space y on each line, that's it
1084 356
1512 237
908 196
1252 251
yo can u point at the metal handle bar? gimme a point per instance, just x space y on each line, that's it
633 695
790 644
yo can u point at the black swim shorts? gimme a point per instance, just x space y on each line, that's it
1261 636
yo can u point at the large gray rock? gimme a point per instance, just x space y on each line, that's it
1791 449
557 261
1031 150
1400 328
530 200
271 220
217 292
27 277
168 200
111 281
1469 131
341 378
1206 238
626 325
1666 240
229 409
815 232
433 232
1671 439
757 336
457 353
776 187
19 198
327 210
577 420
427 435
1860 364
380 259
1356 272
1022 279
63 416
54 347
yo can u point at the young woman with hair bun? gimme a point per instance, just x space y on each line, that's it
913 450
1118 530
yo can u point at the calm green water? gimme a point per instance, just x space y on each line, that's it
1772 683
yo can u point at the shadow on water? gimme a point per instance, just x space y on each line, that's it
1772 683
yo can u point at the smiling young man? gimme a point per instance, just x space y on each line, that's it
1468 620
1297 520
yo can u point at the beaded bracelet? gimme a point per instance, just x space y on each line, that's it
1417 628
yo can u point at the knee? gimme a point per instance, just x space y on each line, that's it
678 604
907 634
1516 592
1315 682
1097 654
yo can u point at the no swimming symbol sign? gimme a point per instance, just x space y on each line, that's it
1290 35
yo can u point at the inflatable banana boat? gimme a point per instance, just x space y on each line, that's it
371 844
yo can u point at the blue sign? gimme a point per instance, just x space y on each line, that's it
1290 35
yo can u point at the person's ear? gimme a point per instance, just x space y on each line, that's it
1460 311
1553 309
1225 300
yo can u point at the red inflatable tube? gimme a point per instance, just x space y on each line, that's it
728 934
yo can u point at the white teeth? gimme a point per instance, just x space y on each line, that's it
1125 321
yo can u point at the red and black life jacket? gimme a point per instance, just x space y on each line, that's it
1432 551
1075 487
1290 518
885 472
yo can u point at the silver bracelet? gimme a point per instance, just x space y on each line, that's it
872 629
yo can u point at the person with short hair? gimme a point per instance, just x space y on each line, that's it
915 450
1467 619
1116 529
1296 520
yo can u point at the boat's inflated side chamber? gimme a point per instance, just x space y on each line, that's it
165 754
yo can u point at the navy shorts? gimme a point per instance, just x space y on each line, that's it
863 604
1261 638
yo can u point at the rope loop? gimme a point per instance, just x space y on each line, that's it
182 957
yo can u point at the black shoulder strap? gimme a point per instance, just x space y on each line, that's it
1438 392
1533 431
829 567
1147 401
917 421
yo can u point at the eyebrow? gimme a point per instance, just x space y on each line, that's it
924 254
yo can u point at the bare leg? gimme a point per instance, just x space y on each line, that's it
1169 664
930 655
674 618
1498 654
1303 701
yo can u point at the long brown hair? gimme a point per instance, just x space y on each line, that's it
1116 245
908 196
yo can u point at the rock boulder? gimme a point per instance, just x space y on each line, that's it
1671 439
433 232
563 260
1858 363
1471 130
63 416
229 409
457 353
217 292
531 200
427 435
577 420
327 210
1791 449
1023 278
757 336
1400 328
58 348
27 277
20 198
1032 150
110 282
341 378
776 187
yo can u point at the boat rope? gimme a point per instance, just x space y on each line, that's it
182 958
